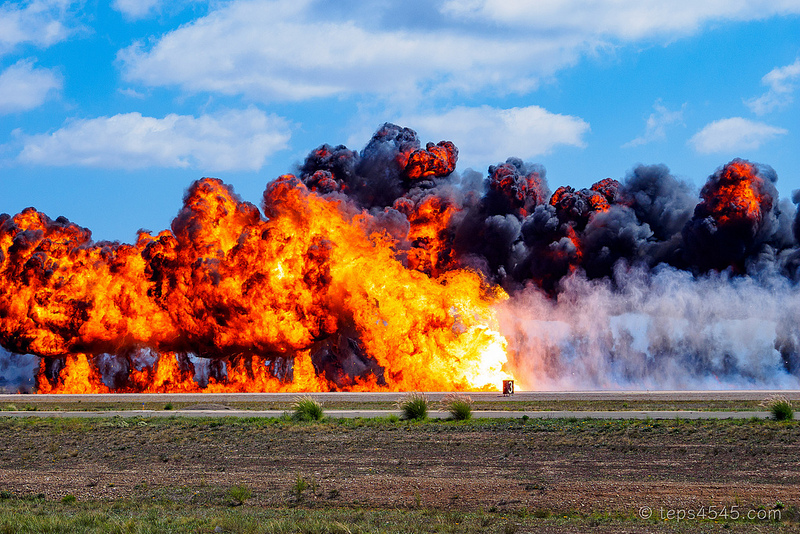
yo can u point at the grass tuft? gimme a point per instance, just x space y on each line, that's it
458 406
238 494
414 406
781 407
306 409
299 487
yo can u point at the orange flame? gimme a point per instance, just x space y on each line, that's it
428 233
736 197
435 160
77 376
521 193
228 284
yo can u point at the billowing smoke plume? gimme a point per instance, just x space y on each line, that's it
659 329
386 269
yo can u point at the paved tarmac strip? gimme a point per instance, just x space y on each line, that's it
352 414
219 399
524 396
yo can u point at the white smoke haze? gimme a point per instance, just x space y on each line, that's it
17 372
662 330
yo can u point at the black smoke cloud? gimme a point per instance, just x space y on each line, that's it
508 224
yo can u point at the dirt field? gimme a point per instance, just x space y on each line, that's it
547 467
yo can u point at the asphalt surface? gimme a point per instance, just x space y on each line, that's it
352 414
213 404
732 395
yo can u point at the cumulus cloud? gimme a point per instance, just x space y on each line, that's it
237 139
657 122
24 87
487 134
782 83
135 9
627 19
733 134
39 22
300 49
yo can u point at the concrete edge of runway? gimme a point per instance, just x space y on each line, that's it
352 414
385 396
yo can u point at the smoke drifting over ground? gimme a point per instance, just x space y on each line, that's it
385 269
664 329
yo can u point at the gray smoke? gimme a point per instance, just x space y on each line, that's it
17 372
663 329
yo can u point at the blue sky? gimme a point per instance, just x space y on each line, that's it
108 110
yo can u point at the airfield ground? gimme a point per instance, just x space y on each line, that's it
372 475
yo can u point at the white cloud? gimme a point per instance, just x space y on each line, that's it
486 134
40 22
135 9
655 128
24 87
295 50
238 139
733 134
622 19
782 82
131 93
300 49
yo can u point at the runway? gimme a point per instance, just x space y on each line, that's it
353 414
216 404
519 396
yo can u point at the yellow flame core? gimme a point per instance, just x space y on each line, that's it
488 374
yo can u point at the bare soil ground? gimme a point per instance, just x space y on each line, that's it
547 467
